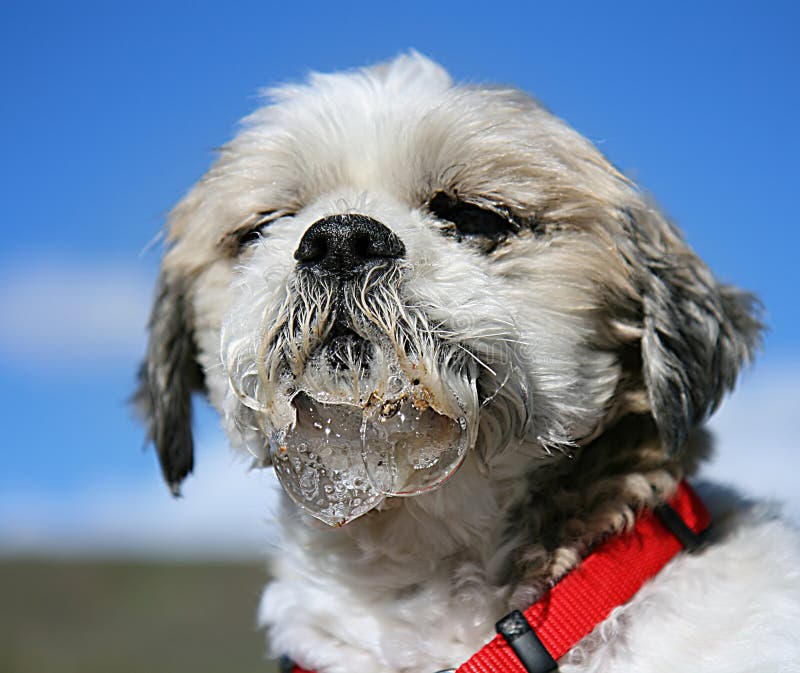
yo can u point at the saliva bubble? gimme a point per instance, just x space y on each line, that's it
339 460
408 448
318 461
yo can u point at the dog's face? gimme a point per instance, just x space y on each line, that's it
384 273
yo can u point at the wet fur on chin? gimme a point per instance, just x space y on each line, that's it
598 341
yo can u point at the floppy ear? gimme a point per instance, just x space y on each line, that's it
167 378
696 333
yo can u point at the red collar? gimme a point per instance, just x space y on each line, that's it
532 642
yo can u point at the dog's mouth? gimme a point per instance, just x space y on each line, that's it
357 401
377 428
346 350
339 460
365 421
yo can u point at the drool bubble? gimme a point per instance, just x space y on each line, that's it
318 469
408 448
395 386
341 459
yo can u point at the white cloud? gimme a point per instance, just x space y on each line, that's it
60 312
758 443
225 512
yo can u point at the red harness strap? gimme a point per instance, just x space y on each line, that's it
609 577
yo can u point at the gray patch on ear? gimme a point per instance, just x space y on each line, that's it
697 334
167 378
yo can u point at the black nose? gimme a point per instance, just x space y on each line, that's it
346 243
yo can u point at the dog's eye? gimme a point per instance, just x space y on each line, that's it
470 219
253 231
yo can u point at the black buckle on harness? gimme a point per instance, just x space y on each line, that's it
673 522
285 664
521 638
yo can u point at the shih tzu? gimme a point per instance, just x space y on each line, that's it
478 359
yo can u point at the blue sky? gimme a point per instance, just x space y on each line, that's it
110 111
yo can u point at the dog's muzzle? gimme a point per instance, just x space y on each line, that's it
364 418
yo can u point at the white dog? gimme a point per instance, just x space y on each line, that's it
478 358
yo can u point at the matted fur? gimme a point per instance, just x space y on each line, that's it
594 340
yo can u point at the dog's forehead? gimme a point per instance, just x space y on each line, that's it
366 131
402 130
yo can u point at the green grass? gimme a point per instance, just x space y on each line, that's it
130 617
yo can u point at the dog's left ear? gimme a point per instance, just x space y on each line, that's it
168 376
695 333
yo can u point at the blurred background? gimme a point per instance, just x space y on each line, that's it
110 111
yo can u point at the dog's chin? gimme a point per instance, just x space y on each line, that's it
361 424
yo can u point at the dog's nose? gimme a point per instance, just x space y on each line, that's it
346 243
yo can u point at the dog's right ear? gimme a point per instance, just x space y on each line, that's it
168 376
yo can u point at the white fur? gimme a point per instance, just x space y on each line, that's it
731 608
573 336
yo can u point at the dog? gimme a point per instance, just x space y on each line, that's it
474 352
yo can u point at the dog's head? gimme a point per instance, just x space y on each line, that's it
384 272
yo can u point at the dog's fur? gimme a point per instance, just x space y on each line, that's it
597 341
